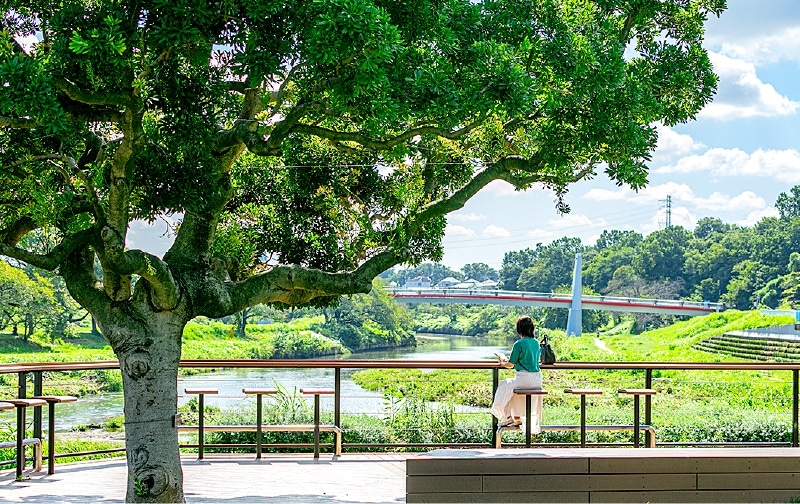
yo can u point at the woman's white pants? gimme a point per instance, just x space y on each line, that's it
507 404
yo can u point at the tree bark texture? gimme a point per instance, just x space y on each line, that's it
149 349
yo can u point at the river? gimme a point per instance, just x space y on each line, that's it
95 409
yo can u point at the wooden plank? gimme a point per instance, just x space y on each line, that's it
498 465
720 496
708 462
500 497
650 482
749 481
444 484
528 483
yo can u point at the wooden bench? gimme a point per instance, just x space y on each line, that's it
604 475
259 428
583 393
651 439
637 393
37 450
22 404
528 393
650 433
272 428
51 431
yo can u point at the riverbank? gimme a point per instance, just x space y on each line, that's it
202 339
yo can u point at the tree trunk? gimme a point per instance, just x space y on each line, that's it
28 326
149 349
241 319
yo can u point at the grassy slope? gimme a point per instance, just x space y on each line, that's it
667 344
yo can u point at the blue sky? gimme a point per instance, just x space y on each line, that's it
731 163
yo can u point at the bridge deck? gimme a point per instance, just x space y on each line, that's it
555 300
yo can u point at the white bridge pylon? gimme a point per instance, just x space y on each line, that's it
553 300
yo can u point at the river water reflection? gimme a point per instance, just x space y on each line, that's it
97 408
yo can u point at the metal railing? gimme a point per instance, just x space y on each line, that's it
553 299
36 370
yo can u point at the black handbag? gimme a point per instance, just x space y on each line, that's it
548 356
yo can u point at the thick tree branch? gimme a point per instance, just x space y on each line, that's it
55 257
79 95
14 233
499 170
78 272
278 96
373 144
124 263
18 123
293 285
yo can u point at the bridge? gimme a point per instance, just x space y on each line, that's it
554 300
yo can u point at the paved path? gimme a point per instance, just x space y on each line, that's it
351 478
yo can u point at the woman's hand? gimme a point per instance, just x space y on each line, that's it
502 359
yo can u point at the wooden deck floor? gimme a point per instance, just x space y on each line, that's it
605 475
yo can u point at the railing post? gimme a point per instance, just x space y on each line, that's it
495 384
337 397
37 412
22 384
648 384
795 389
200 426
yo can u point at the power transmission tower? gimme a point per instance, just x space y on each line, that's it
667 211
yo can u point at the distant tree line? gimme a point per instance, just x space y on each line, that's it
741 266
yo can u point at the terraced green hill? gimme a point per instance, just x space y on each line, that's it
762 348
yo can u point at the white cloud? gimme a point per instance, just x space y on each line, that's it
500 188
681 216
724 202
683 194
466 217
782 45
493 231
672 144
608 195
503 188
781 165
155 238
756 215
452 231
742 94
575 221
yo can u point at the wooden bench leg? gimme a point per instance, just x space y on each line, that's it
201 413
258 426
636 393
583 421
527 421
20 438
636 421
51 438
200 442
316 426
316 392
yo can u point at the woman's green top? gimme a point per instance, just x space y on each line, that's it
525 355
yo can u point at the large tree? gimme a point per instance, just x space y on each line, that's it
306 147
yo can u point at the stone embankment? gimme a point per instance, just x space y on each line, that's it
777 344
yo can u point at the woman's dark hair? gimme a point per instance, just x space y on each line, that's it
525 327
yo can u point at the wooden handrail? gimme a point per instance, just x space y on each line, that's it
404 364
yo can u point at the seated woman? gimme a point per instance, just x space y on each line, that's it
508 407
